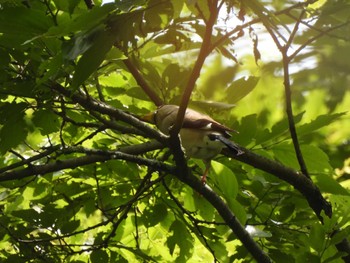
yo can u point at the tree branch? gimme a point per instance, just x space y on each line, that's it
94 105
92 156
300 182
227 215
203 53
142 82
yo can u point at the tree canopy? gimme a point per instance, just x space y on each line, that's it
84 179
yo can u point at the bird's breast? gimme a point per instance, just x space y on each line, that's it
197 144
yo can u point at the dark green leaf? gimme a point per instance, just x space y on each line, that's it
84 22
158 16
316 160
14 130
154 215
70 226
19 24
46 121
98 256
92 58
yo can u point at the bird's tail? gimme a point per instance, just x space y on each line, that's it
230 144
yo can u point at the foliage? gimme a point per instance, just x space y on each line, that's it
80 183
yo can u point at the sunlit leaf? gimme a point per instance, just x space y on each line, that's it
321 121
329 185
241 88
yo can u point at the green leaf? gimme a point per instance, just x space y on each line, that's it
83 22
328 184
285 212
46 121
319 122
137 92
181 238
241 88
340 235
92 58
70 226
19 24
316 160
154 215
257 232
280 128
14 130
317 236
98 256
225 180
67 6
211 106
247 130
158 16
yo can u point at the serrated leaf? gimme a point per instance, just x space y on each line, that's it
328 184
247 130
319 122
137 92
181 238
241 88
316 160
278 129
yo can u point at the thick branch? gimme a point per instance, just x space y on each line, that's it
296 179
92 156
228 217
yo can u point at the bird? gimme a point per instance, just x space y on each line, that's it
201 136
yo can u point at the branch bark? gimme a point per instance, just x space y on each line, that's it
300 182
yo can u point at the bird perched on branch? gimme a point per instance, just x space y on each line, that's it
201 136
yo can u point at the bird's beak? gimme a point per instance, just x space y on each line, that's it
148 117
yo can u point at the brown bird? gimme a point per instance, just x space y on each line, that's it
201 136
